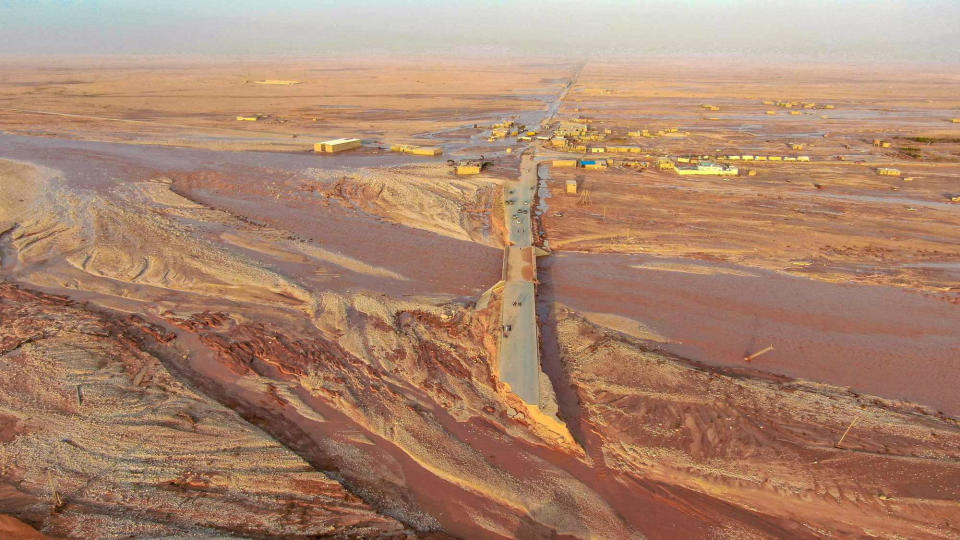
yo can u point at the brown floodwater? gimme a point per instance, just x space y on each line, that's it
427 263
880 340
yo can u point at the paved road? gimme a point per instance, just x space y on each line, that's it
519 340
519 364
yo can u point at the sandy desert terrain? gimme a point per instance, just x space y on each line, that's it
206 330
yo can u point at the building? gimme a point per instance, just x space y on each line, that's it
337 145
426 151
887 171
803 158
631 163
593 163
796 146
625 149
665 164
572 187
708 168
252 118
470 166
564 163
416 150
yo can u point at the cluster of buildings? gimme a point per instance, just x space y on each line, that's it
343 144
594 164
708 168
277 82
750 157
666 132
796 104
508 128
574 135
584 149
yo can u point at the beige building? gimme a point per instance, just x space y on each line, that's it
472 168
416 150
337 145
572 187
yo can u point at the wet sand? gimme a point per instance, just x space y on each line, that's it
874 339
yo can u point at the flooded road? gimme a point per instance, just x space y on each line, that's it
879 340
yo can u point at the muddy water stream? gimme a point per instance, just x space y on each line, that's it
87 162
880 340
427 263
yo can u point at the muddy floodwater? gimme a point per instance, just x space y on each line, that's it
88 162
421 262
881 340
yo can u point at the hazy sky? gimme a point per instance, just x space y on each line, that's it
858 31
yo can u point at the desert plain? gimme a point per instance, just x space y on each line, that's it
209 329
